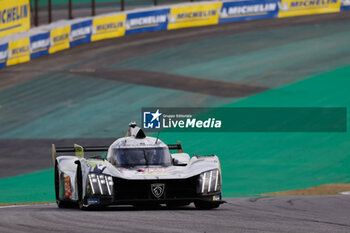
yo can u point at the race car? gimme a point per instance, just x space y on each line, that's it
135 170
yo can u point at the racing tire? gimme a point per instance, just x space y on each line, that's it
60 203
201 205
80 189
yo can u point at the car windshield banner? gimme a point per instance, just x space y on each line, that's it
3 55
147 21
248 10
80 33
39 45
245 119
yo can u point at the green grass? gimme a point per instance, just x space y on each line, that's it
28 188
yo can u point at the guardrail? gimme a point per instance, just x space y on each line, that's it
40 41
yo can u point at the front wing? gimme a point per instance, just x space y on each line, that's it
107 190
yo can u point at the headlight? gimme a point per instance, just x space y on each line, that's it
101 184
209 182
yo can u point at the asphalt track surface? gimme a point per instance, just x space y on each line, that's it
265 214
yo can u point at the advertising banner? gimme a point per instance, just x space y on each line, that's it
345 5
194 15
59 39
14 16
3 55
108 27
147 21
248 10
288 8
39 45
18 52
80 32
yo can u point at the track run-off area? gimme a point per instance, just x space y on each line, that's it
268 214
89 93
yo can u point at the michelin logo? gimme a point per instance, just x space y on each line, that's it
247 9
77 33
38 45
189 16
151 120
16 52
144 21
306 4
3 55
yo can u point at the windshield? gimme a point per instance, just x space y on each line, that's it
130 157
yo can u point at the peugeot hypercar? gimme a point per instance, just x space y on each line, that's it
136 170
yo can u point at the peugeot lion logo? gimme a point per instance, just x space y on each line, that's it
157 190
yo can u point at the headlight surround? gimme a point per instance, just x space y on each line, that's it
209 182
101 184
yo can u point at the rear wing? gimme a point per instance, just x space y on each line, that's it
79 150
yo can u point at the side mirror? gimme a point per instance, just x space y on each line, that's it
180 159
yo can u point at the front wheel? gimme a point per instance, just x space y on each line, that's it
81 200
60 203
201 205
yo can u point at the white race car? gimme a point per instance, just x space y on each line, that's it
137 170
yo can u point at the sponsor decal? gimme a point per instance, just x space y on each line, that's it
108 27
195 15
153 171
93 201
289 8
18 52
80 32
146 21
39 45
14 16
345 5
3 55
248 10
157 190
216 198
67 187
59 39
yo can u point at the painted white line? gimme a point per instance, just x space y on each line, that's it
11 206
20 205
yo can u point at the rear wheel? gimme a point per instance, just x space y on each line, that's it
201 205
60 203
